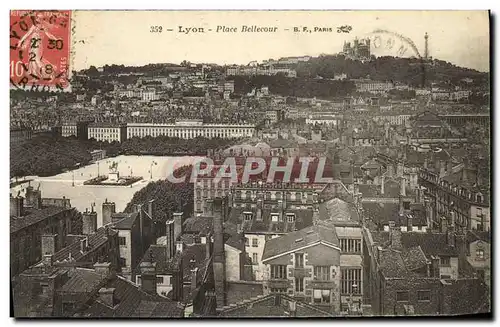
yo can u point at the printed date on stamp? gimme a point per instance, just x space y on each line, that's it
40 50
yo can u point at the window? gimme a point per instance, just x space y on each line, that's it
350 245
424 295
321 296
479 212
322 273
278 290
255 242
138 279
402 296
406 205
274 217
248 216
278 272
299 260
348 278
255 259
122 240
480 254
445 261
299 284
247 241
122 262
290 217
159 280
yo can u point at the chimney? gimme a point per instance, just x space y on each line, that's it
394 235
444 225
464 173
390 170
84 244
150 208
178 281
47 260
442 169
210 207
178 224
33 198
89 222
382 184
179 246
292 307
259 210
219 260
208 247
107 296
102 268
170 236
435 266
148 277
16 206
194 278
450 236
108 209
49 244
403 186
400 169
409 222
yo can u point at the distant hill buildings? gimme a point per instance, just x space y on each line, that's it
359 50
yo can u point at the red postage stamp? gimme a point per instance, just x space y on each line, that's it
40 50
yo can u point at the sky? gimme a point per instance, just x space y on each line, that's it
125 37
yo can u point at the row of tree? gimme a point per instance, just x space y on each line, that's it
51 155
168 198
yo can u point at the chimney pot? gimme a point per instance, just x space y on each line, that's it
107 296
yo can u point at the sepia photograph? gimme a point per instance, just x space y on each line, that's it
215 164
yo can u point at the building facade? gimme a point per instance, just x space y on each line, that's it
107 132
189 130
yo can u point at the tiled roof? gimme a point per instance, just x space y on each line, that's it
127 222
133 302
238 291
158 254
299 239
430 243
303 218
73 253
392 264
82 280
237 241
414 258
338 210
371 164
370 190
202 225
268 306
381 213
34 216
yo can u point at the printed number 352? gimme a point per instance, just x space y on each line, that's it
156 29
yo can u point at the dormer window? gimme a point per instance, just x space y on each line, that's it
479 197
247 216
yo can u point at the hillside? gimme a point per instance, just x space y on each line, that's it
410 71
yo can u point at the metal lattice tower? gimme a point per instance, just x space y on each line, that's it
426 51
